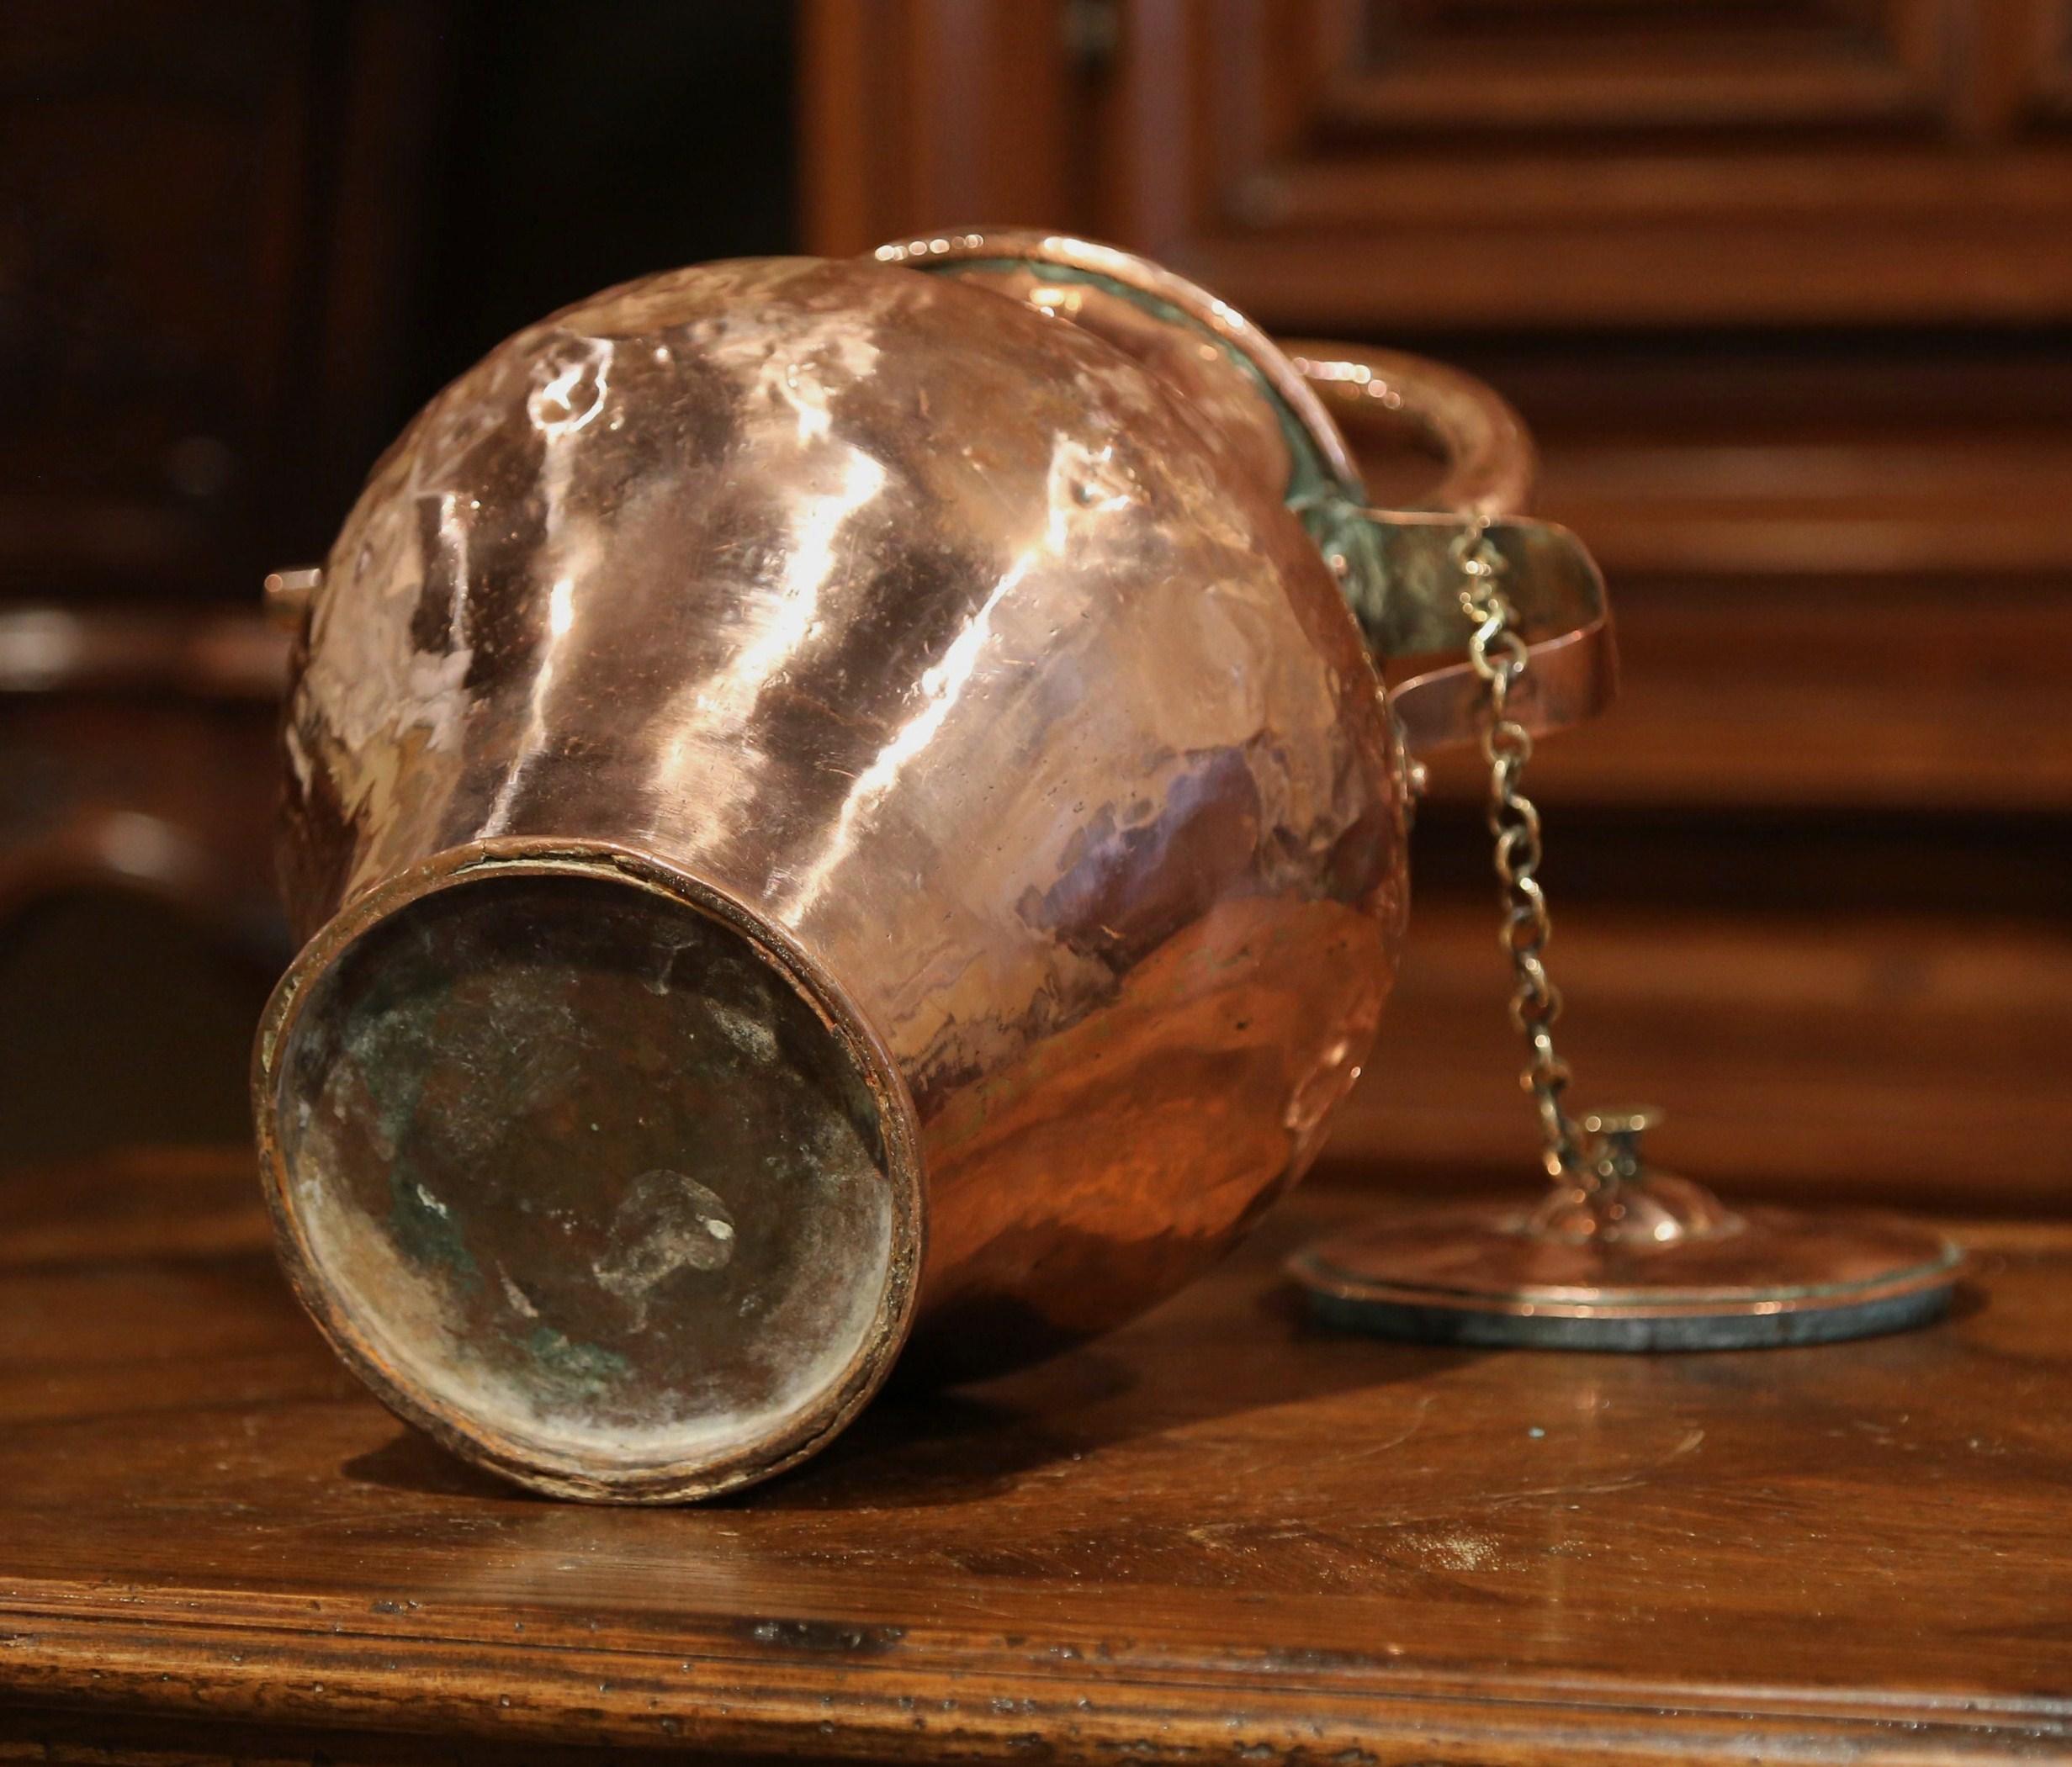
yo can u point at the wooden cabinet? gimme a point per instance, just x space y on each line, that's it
1483 163
240 241
1784 287
204 212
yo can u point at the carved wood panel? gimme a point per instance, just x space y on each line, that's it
1605 166
1556 67
1463 163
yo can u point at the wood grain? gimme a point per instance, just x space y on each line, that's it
1901 698
1219 1535
1900 1057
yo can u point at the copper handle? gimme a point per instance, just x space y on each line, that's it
1490 468
1491 462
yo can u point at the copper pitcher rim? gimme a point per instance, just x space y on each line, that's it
531 1459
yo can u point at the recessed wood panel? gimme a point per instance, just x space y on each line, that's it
1883 1057
1464 67
1571 165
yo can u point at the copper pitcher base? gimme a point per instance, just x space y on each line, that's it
531 1085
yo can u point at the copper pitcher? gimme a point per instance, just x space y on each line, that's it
834 804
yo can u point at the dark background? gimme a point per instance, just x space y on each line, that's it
1784 288
240 244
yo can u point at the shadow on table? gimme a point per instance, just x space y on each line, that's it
917 1448
922 1450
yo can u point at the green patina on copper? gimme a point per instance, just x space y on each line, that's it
641 1179
584 1367
390 1047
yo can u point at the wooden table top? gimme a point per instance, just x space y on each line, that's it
1219 1535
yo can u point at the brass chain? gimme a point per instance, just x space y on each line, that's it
1499 657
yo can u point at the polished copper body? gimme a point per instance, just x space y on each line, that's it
930 647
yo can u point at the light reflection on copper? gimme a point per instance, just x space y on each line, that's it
936 639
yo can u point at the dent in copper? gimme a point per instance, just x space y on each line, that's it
924 641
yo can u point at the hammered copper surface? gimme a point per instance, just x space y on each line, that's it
1268 405
923 639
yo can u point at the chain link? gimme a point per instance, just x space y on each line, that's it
1499 657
